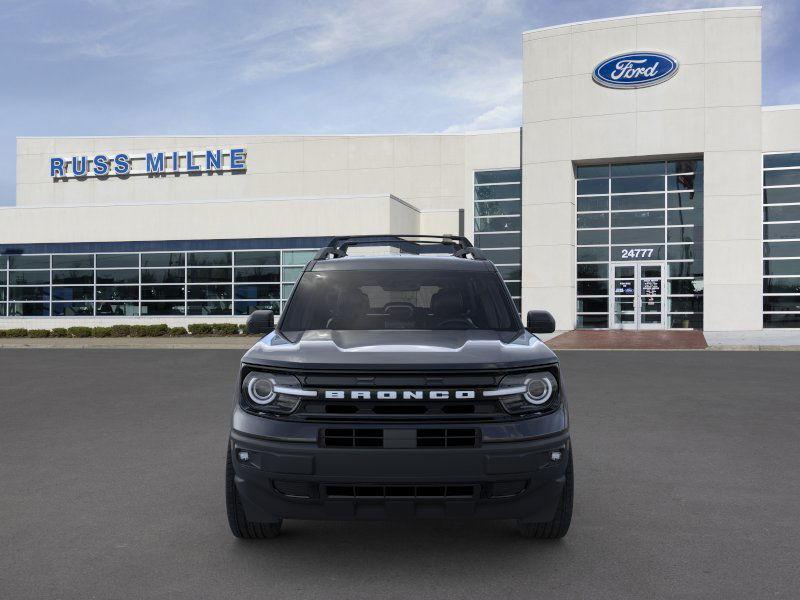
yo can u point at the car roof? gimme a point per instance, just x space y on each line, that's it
401 262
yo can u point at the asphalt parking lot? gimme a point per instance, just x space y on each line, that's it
111 486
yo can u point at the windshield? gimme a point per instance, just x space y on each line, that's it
406 300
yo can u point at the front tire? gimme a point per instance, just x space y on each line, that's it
558 527
240 526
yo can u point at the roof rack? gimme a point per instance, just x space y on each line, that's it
407 243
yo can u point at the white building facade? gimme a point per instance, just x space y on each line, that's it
654 192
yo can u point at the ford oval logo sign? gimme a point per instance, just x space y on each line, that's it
635 70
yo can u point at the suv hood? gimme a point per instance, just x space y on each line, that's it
400 350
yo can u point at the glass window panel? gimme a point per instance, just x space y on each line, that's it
164 259
498 240
782 285
29 261
73 277
782 195
681 269
592 321
292 273
592 236
592 288
2 294
117 309
680 234
782 231
162 292
638 218
73 261
163 276
787 320
593 220
73 309
685 286
592 271
117 292
510 272
499 176
220 307
684 166
259 257
503 257
624 185
782 303
788 177
781 249
592 186
587 171
113 261
505 207
84 292
3 307
287 289
3 262
29 293
637 202
118 276
209 292
684 182
685 200
29 277
298 257
257 274
246 308
694 321
597 203
694 304
589 254
648 168
680 252
209 275
162 309
498 224
28 309
2 278
209 259
789 159
593 305
494 192
637 236
782 267
638 252
256 292
683 217
782 213
514 288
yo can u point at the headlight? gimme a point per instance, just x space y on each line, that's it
527 392
272 393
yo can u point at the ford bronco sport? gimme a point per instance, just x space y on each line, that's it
400 386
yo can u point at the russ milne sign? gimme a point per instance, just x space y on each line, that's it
635 70
151 163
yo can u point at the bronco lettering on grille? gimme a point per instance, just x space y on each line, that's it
399 394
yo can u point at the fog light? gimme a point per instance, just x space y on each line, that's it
555 455
243 455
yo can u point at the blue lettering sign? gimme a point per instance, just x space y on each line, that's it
237 159
154 163
190 166
176 162
100 164
79 166
123 165
213 160
56 167
635 70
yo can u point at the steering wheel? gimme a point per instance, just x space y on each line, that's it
469 324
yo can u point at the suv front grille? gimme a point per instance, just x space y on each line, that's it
334 437
380 492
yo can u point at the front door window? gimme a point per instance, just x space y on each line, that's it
637 300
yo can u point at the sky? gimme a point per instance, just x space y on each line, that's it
174 67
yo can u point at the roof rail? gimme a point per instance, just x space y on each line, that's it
408 243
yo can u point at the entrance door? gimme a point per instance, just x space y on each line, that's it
637 295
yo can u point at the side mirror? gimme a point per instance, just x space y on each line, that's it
261 321
540 321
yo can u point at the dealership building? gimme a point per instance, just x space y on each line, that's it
646 188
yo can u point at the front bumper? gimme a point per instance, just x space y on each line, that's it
498 480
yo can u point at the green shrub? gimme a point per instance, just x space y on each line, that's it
225 329
38 333
177 331
157 330
101 332
59 332
80 332
120 330
17 332
242 328
201 329
2 333
138 331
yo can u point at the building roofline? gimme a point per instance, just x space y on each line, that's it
781 107
652 14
